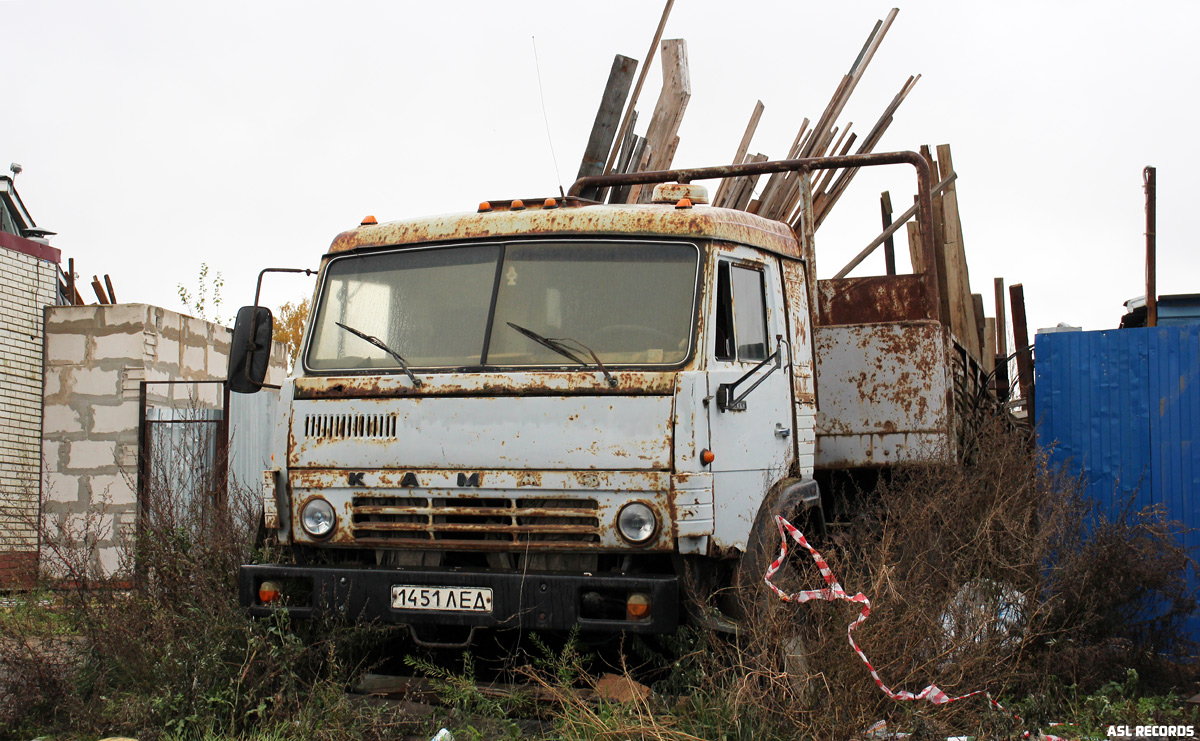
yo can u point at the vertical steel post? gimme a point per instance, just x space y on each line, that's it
1151 247
1016 293
143 484
889 246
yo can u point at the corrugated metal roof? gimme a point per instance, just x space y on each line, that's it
1183 308
1123 408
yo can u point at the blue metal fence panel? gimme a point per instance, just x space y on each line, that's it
1122 407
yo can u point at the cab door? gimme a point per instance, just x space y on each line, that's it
749 429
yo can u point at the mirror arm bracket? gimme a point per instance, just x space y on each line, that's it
726 399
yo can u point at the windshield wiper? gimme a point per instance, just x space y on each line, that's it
557 344
382 346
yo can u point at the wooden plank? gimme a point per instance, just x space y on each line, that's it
989 344
746 189
850 81
99 289
604 128
627 124
958 280
868 145
671 105
620 194
915 253
787 197
1002 382
112 296
71 292
622 162
979 315
889 246
635 191
1001 336
743 147
962 313
827 176
1016 294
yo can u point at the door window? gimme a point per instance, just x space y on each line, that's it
741 323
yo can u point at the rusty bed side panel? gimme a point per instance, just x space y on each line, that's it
886 394
873 299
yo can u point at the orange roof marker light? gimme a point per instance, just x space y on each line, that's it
368 220
550 203
485 207
517 205
684 203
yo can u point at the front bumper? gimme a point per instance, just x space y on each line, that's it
548 601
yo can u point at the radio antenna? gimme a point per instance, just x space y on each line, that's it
546 118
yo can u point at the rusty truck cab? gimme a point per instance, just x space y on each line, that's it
537 414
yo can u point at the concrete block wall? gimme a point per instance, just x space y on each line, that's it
96 359
27 284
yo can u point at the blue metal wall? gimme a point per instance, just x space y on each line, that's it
1123 407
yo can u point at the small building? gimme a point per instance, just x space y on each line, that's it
30 280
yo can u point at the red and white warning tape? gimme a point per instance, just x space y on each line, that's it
834 592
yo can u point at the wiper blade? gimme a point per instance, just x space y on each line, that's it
382 346
558 346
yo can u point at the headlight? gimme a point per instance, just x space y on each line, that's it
636 523
318 518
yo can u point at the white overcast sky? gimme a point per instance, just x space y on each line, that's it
159 135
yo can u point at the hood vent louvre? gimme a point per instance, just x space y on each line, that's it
333 426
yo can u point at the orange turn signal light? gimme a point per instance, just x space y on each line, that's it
485 207
368 220
684 203
707 456
269 591
637 606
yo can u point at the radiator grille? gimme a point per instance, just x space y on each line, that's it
350 425
481 523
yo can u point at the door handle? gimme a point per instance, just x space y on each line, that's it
782 431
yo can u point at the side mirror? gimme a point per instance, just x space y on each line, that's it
250 351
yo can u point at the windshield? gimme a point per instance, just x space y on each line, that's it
631 303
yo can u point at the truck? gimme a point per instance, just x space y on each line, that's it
554 412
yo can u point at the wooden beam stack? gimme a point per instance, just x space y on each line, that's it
779 196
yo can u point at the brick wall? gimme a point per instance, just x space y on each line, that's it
27 284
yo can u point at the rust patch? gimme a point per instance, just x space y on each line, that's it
489 384
579 219
873 299
529 478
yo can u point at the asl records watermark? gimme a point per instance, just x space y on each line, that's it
1151 732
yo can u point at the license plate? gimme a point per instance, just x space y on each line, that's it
445 599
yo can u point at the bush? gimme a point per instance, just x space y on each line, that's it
163 648
997 576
